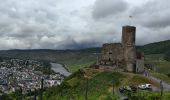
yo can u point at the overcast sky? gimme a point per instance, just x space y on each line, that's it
74 24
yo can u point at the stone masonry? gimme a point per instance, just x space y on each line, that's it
120 55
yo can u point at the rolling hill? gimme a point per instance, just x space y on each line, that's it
60 55
156 48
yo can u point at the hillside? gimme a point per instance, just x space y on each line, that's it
99 85
48 55
156 48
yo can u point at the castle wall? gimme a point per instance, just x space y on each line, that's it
118 51
112 51
107 51
140 62
140 66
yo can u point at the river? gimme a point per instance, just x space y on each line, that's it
58 68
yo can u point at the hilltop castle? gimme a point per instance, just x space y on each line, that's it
122 56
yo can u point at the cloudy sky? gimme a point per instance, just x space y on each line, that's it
74 24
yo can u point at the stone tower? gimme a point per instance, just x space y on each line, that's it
122 56
129 49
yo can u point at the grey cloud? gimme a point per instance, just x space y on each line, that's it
72 43
43 26
160 22
56 24
154 14
104 8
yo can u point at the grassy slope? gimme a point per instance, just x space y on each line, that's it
75 67
157 60
161 66
99 84
155 54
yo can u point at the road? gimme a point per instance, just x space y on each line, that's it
165 85
58 68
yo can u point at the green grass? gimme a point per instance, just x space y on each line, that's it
138 79
99 84
149 96
153 57
160 65
163 67
75 67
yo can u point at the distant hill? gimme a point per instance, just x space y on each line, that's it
48 54
152 48
156 48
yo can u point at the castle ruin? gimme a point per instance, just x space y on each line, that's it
122 56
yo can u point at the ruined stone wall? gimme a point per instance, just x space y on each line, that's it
129 49
121 55
118 51
107 51
140 66
112 51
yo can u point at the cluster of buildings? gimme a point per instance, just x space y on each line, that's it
122 56
19 64
20 74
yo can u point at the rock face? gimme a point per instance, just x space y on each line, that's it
120 55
